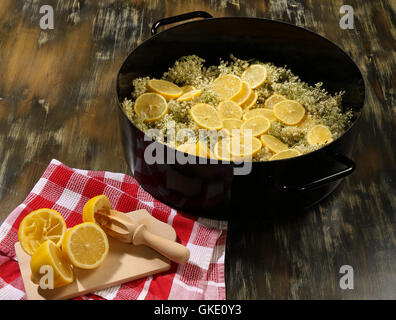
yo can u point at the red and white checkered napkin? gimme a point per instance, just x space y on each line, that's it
67 190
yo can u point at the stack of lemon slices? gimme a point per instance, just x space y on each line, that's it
246 128
43 235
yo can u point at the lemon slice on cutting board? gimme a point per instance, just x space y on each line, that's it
255 126
206 116
86 245
48 254
165 88
285 154
255 75
319 134
273 100
273 143
227 86
39 226
260 112
290 112
150 106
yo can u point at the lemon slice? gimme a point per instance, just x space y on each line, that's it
255 126
251 101
306 122
221 150
288 153
289 112
165 88
205 116
229 110
232 126
187 88
39 226
260 112
255 75
272 143
243 95
244 146
150 106
86 245
319 134
189 95
273 100
100 202
197 149
227 86
48 254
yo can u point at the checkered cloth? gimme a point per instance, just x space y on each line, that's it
67 190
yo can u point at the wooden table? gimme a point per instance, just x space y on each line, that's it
56 94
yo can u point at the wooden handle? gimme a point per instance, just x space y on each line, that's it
172 250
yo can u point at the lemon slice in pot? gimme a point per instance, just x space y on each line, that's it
290 112
273 143
273 100
206 116
232 126
251 101
244 94
255 126
319 134
260 112
150 106
229 110
227 86
255 75
189 95
285 154
244 147
165 88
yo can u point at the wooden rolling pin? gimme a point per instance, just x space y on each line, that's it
124 228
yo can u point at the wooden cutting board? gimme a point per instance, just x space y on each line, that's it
125 262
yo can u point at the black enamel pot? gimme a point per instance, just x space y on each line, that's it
271 187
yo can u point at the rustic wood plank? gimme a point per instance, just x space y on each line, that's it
56 94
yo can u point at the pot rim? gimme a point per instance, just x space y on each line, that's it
324 148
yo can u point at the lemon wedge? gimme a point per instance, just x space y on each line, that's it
48 254
100 202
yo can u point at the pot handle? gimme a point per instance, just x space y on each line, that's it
181 17
349 168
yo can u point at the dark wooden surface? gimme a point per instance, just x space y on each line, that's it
56 96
